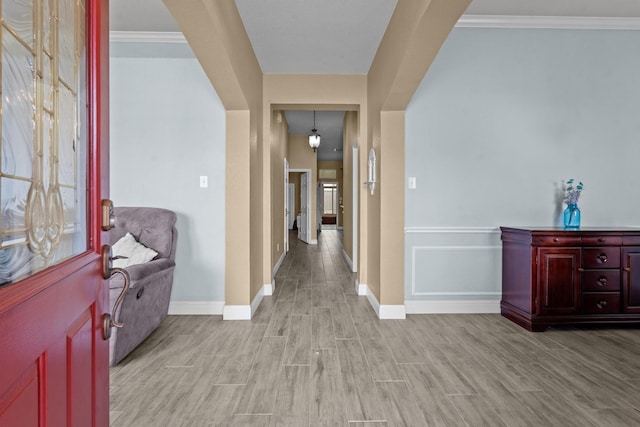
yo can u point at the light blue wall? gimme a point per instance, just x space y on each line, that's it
168 129
502 117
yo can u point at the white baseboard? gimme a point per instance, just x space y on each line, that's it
383 311
278 264
257 300
392 311
361 288
269 288
236 312
452 306
313 242
196 307
345 255
373 301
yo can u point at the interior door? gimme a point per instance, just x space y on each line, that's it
291 205
320 206
53 175
304 207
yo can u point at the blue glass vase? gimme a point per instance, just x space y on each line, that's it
572 216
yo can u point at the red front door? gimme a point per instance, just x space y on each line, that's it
53 176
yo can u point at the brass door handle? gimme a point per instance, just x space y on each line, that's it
109 320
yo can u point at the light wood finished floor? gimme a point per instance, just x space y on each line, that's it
316 355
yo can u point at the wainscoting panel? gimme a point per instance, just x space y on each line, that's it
453 264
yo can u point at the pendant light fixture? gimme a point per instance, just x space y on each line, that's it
314 138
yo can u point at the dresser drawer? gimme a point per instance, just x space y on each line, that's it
601 281
602 240
557 240
599 303
604 257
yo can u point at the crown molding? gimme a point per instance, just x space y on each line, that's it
550 22
146 37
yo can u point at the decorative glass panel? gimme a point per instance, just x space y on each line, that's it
67 33
47 81
18 99
67 139
46 26
18 17
43 217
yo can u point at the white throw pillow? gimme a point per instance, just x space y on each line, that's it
135 253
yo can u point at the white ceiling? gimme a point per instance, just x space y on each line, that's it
315 37
330 36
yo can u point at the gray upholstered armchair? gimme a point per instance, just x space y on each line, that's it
146 303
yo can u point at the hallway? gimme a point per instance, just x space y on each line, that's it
315 354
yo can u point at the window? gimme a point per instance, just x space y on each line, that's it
44 135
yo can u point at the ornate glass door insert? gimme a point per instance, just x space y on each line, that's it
43 211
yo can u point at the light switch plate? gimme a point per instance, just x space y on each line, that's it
412 183
204 181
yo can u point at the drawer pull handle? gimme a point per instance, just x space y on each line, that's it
602 258
627 269
601 304
555 239
602 281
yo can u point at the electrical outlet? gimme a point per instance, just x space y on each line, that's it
278 247
204 181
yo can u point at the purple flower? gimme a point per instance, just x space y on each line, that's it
571 192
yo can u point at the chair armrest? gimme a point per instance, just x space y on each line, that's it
140 271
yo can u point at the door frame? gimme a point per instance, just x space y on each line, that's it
287 212
308 202
354 209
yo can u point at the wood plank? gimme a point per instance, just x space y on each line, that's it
298 349
302 303
327 401
292 400
322 335
258 397
280 320
399 404
363 400
343 325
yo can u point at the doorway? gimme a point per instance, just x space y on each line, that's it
302 216
329 205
